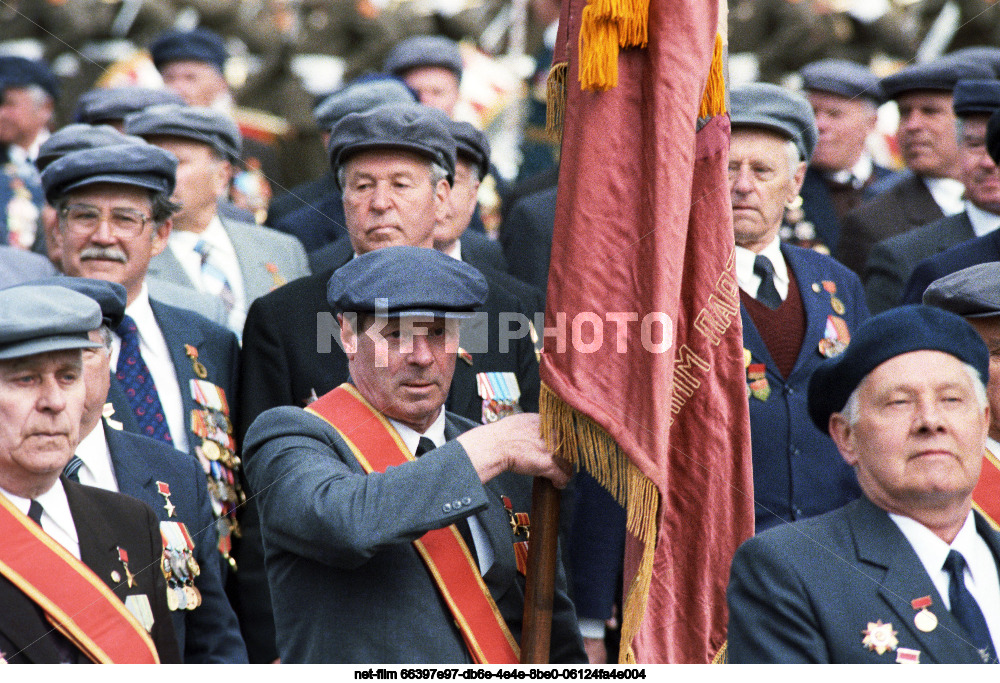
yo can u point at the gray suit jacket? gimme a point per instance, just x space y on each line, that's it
891 261
346 582
805 592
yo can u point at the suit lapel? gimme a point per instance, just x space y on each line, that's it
165 266
123 411
98 547
178 336
133 474
256 280
754 343
917 201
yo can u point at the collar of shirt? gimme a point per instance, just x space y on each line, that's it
948 194
456 250
57 520
223 254
857 175
97 469
22 155
411 437
749 281
993 447
983 222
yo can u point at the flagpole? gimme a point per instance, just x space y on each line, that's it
536 630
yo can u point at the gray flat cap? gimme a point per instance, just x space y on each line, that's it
114 104
408 281
763 105
842 77
471 144
77 136
45 318
201 124
359 96
138 165
406 126
110 296
941 74
976 97
980 53
972 292
424 51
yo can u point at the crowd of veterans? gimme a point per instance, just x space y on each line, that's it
254 409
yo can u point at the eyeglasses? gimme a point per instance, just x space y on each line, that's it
83 220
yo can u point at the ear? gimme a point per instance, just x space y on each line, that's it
442 203
843 436
160 235
798 178
348 335
222 177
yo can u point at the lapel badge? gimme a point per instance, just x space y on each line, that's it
196 365
816 288
276 277
106 412
836 337
123 557
924 619
163 488
879 637
757 381
465 355
115 576
500 393
905 655
831 288
747 357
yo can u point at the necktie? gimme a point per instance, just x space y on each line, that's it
35 512
965 608
72 469
140 389
423 446
767 293
213 278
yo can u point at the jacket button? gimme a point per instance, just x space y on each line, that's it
457 504
446 507
466 501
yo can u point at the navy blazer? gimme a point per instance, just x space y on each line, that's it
970 253
797 470
806 593
209 634
818 206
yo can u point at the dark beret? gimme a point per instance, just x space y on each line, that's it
138 165
40 319
471 144
77 136
18 72
842 77
361 95
976 96
889 334
114 104
409 281
972 292
199 45
424 51
110 296
763 105
941 74
993 137
406 126
201 124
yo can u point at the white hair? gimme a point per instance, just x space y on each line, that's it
792 150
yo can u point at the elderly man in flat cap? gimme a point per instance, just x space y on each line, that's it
908 573
370 492
927 142
798 306
72 556
432 66
892 261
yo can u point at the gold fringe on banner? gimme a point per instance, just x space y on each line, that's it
579 440
555 99
713 102
722 656
606 26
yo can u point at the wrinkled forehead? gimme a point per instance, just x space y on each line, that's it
920 368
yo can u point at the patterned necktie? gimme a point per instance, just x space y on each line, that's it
213 278
140 390
72 469
767 293
965 608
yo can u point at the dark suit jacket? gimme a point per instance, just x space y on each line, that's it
973 252
210 633
480 251
806 592
906 205
346 581
818 206
526 237
797 470
891 261
300 196
104 521
318 224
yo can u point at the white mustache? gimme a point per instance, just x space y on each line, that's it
104 254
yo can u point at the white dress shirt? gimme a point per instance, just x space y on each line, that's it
57 520
749 281
857 175
948 194
97 469
153 348
983 222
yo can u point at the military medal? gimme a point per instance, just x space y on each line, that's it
196 364
816 287
138 605
465 355
757 381
275 275
106 412
500 393
925 620
163 488
905 655
835 303
123 557
835 338
879 637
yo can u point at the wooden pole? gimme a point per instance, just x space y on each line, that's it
536 631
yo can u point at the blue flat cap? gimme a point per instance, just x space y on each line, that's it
842 77
199 45
114 104
41 318
77 136
889 334
983 54
138 165
406 126
976 97
763 105
471 144
941 74
400 281
110 296
201 124
424 51
361 95
18 72
972 292
993 137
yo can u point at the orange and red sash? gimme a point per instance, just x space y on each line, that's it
75 601
377 446
986 495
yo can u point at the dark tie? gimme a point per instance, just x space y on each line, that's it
35 512
68 654
767 293
140 390
72 469
423 446
965 608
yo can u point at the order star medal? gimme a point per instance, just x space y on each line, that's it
757 381
880 637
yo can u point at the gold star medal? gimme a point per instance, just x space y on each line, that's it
163 488
879 637
123 557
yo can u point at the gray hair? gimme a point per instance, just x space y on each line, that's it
792 151
437 171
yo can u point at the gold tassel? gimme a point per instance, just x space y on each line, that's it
555 99
598 51
713 101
